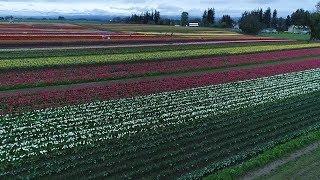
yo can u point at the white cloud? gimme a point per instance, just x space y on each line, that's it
169 7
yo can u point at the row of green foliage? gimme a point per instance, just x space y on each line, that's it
18 54
196 147
267 157
144 56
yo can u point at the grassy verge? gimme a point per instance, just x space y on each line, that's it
267 157
305 167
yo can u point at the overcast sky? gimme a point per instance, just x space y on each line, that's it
166 7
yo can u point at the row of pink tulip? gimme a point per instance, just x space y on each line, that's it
94 73
36 99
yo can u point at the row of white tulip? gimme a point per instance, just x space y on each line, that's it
33 133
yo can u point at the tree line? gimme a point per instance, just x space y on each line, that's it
254 21
153 17
208 19
251 22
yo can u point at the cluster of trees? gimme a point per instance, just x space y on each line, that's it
61 18
254 21
251 22
184 18
146 18
226 21
6 18
153 17
314 23
208 17
300 18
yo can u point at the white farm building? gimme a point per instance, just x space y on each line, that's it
193 24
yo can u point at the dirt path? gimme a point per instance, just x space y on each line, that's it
140 45
276 164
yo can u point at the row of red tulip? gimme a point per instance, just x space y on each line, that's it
36 99
116 71
44 37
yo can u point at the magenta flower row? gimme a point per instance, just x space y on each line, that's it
27 100
92 73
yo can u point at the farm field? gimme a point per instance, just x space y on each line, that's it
54 34
155 102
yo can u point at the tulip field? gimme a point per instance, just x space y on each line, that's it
57 35
131 102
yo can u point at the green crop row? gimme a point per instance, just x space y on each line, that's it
145 56
186 133
191 149
37 53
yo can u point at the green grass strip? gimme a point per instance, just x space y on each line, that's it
267 157
146 56
305 167
299 37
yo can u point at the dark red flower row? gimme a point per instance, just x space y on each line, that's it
76 74
27 100
46 37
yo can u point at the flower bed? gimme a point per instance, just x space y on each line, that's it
94 73
185 133
16 102
144 56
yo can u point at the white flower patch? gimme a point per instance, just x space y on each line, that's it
40 131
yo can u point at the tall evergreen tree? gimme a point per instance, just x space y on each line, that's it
314 24
288 21
226 21
205 18
274 22
267 18
157 17
300 17
281 24
211 16
250 23
261 15
184 18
